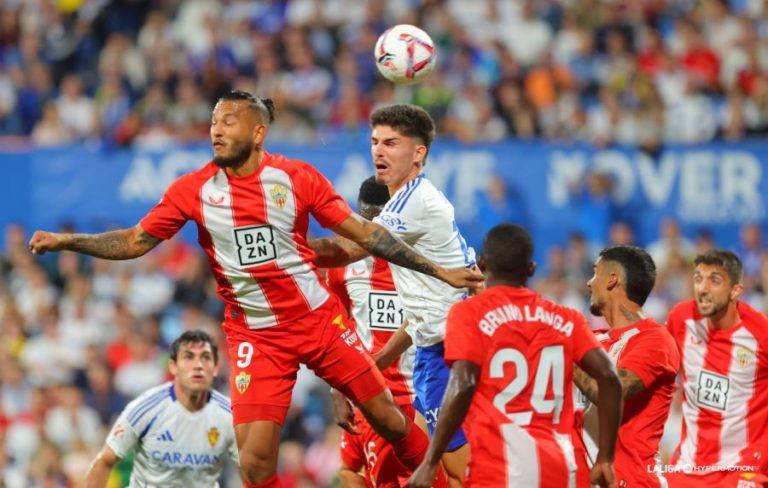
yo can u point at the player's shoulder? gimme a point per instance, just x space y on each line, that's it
656 333
410 198
220 403
197 177
564 311
146 405
289 165
753 318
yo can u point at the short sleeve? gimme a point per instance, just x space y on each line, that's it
462 337
325 204
650 356
122 439
584 339
167 217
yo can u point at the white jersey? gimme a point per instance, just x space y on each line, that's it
420 214
174 447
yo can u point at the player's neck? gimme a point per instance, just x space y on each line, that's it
495 280
393 188
191 400
250 165
623 314
726 319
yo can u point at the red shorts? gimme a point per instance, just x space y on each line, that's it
370 451
719 479
264 363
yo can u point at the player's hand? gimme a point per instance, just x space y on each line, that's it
602 475
43 242
423 477
344 412
470 278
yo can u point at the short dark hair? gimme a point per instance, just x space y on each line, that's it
408 120
508 249
727 260
264 106
373 193
194 337
639 270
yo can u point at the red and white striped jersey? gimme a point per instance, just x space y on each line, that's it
367 290
725 388
521 418
254 230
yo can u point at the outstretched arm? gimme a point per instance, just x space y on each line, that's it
458 397
380 242
335 252
119 244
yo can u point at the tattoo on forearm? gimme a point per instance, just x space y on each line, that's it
631 384
585 383
112 245
386 246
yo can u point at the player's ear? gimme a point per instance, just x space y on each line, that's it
259 134
531 268
737 289
172 367
481 263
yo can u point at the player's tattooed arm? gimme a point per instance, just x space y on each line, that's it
374 239
115 245
333 252
631 384
380 242
585 383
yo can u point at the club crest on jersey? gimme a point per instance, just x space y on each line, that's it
279 195
744 357
242 381
213 436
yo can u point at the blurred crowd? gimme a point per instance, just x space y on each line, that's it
80 337
146 72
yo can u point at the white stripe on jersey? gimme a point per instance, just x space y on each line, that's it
566 445
220 224
289 258
733 431
693 362
521 457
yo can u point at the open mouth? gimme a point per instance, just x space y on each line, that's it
218 145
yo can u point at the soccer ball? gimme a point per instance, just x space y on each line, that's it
404 54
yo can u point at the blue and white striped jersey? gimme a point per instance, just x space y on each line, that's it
174 447
420 214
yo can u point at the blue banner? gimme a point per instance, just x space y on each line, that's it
716 187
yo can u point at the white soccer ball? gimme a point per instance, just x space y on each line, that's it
405 54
